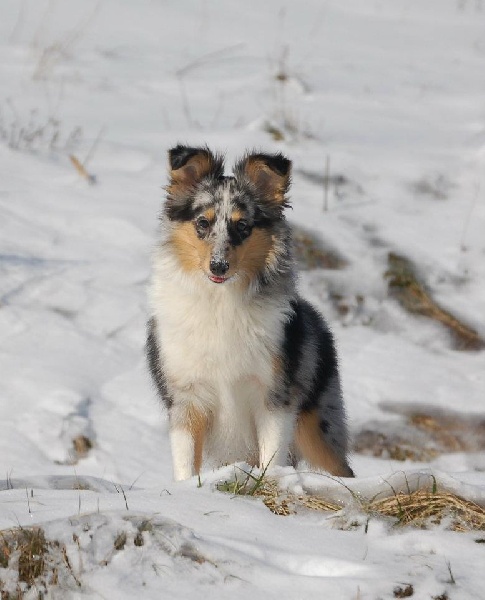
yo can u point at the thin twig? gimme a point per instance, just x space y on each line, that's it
468 217
28 501
326 182
94 145
206 58
81 169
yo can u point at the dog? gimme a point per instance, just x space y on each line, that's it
246 368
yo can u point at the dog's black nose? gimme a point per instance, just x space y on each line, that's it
219 267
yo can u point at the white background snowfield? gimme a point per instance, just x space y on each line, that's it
392 96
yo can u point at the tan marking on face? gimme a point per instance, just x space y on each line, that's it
210 214
236 215
252 255
315 449
192 252
249 258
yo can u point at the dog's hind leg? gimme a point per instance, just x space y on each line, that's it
312 446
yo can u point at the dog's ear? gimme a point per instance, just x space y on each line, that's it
188 166
269 174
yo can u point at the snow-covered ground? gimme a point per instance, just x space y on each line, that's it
392 95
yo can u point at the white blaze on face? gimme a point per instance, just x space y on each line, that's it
220 234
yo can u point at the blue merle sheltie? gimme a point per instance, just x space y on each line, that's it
246 368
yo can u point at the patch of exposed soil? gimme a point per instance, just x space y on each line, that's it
421 436
311 252
340 185
411 293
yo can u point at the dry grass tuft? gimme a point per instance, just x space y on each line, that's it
36 563
405 286
27 553
422 508
279 502
403 592
285 504
275 132
81 446
25 549
35 132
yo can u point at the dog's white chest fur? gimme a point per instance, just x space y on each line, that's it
210 332
219 346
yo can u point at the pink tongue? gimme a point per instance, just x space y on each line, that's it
217 279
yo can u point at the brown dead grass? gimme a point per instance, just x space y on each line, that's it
285 504
452 432
393 445
421 508
82 445
311 253
27 552
422 436
36 561
405 286
26 548
275 132
81 169
403 591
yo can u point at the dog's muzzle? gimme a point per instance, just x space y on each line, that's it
219 267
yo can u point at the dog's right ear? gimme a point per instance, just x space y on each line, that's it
188 166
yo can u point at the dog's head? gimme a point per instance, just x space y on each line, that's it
226 227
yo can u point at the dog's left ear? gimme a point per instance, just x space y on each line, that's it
269 173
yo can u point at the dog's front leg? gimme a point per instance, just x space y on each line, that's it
274 427
188 427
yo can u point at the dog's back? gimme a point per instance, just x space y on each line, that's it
247 369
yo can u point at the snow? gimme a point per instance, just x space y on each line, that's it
393 94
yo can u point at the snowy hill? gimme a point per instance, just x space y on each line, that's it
380 106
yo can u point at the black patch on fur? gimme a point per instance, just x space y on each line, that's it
305 324
324 426
236 238
265 218
276 162
180 211
155 365
240 203
180 154
293 342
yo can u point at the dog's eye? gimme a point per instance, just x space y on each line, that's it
242 227
203 224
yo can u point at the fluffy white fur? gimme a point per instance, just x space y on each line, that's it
224 367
